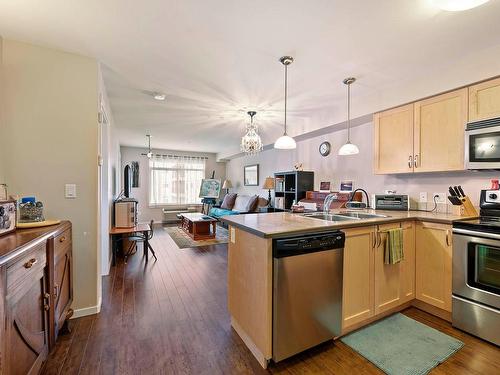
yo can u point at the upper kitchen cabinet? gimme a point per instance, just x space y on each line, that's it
394 140
484 100
439 132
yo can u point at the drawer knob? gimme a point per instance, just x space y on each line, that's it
62 239
30 263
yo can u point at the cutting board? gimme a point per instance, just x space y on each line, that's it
37 224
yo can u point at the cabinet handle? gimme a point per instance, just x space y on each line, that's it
56 290
415 161
30 263
62 239
46 305
410 161
448 237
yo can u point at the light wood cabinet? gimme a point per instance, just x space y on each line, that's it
484 100
358 296
393 135
394 283
425 136
439 132
433 264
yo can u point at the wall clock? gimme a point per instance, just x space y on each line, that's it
324 148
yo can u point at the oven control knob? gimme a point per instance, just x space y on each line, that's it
493 196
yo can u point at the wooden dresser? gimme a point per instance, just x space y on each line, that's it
36 291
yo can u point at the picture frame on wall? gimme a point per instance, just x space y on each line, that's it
134 166
346 186
324 186
251 175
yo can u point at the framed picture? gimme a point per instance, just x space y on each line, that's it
251 175
210 188
324 186
134 166
346 186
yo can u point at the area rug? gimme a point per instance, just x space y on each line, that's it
401 345
183 240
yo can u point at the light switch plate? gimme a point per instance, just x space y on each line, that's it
70 191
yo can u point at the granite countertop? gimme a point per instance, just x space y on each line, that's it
281 224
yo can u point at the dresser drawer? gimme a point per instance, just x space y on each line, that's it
61 242
27 266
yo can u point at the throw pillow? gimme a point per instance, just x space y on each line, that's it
228 202
252 203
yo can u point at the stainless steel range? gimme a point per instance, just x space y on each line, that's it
476 271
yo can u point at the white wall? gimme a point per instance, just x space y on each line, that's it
48 138
129 154
357 167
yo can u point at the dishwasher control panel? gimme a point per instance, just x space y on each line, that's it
308 244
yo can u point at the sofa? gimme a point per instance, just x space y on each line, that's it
237 206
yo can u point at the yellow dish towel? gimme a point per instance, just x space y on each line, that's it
393 252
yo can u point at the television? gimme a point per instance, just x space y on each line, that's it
127 181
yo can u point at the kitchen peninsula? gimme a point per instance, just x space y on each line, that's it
370 288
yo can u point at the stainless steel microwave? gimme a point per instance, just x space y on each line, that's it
482 144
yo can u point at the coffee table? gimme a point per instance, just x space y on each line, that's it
197 225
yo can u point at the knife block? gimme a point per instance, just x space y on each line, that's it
466 209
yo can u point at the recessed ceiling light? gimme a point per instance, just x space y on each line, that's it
159 96
458 5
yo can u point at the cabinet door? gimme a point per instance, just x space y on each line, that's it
357 297
63 292
394 283
433 264
439 132
484 100
27 326
393 135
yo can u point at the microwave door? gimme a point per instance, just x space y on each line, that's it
482 148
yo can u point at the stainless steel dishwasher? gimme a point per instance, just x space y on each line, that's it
307 291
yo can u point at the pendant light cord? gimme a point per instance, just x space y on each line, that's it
286 91
348 113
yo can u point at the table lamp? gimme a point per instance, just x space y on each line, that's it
227 185
269 185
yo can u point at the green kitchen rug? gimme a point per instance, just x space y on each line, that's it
400 345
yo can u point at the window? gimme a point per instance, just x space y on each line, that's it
175 180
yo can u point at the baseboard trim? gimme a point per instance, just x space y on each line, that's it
86 311
433 310
263 361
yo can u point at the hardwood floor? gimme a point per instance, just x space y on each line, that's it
170 317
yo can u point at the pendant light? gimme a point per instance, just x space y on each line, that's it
285 142
349 148
150 153
251 143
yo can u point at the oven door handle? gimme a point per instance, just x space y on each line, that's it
474 233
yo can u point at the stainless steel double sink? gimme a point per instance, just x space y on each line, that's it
343 216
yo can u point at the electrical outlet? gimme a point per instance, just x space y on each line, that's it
423 197
440 197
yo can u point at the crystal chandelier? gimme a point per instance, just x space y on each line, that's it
251 142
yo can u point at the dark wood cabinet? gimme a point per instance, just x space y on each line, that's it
26 321
59 256
35 295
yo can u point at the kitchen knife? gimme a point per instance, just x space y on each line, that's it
457 192
461 191
455 200
452 192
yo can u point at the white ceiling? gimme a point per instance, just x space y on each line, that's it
217 59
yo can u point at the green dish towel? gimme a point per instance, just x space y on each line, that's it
393 252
